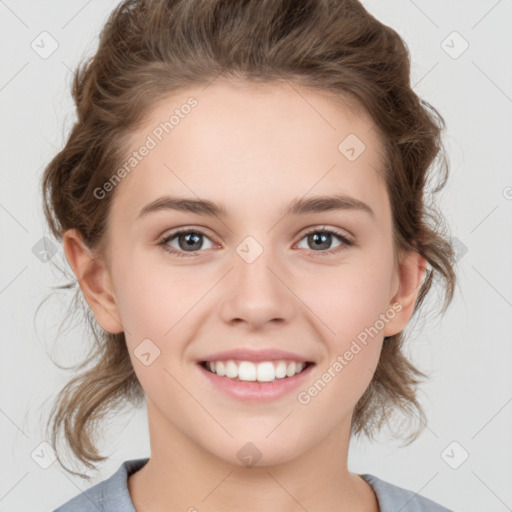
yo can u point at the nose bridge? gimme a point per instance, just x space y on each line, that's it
257 293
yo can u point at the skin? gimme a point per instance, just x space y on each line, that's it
253 149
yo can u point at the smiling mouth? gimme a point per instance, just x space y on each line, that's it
265 371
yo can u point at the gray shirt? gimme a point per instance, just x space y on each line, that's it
111 495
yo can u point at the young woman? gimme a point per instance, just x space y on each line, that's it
243 202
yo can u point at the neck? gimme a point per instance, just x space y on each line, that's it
182 475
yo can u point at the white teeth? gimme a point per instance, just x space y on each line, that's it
247 370
265 371
281 370
290 371
231 370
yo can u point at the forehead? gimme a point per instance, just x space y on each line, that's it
237 143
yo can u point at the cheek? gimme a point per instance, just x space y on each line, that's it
352 309
152 299
351 301
351 297
157 308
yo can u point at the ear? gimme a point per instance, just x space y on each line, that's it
95 281
408 280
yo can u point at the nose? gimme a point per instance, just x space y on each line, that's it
257 293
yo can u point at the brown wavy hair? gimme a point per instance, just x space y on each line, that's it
150 49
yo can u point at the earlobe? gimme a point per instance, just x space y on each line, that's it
94 279
410 277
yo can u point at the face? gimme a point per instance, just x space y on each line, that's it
318 282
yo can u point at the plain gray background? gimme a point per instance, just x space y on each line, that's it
467 353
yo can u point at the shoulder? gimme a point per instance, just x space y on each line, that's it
110 495
392 498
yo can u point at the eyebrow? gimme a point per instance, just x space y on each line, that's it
302 206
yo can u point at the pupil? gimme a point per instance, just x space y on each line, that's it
190 243
316 236
321 240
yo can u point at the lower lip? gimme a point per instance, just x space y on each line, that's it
255 391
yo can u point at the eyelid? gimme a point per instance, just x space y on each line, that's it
347 240
325 227
169 235
185 229
305 231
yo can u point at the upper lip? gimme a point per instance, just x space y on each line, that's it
247 354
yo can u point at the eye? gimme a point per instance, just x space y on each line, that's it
322 239
189 241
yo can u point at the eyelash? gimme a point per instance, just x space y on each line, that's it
163 243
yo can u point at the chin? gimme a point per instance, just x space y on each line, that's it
256 451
